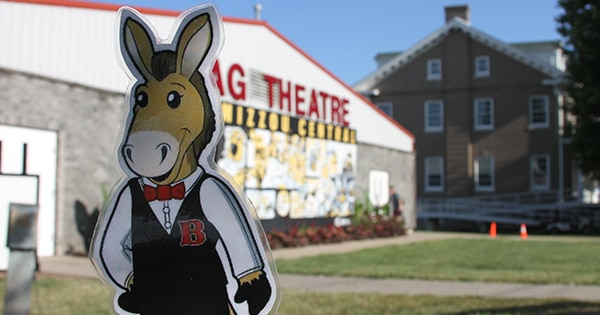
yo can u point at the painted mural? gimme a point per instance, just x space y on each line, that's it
290 167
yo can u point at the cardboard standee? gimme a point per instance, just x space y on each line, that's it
178 236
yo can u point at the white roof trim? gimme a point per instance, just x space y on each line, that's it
457 23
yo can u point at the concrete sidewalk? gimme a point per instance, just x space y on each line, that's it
82 267
442 288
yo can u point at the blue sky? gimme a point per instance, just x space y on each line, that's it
345 35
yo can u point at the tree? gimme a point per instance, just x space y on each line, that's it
580 25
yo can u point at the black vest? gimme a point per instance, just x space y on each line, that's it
180 273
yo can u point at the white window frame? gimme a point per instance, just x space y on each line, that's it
532 162
546 122
386 107
428 127
440 161
476 124
476 172
482 72
431 75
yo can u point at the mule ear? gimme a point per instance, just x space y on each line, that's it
193 44
136 44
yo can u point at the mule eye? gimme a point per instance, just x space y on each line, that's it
173 99
141 99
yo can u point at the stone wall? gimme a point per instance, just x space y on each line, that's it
401 167
88 123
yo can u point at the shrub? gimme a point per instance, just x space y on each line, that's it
375 227
368 222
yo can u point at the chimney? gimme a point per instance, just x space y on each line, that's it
461 11
257 11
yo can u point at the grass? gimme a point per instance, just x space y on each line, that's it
492 260
369 304
70 296
53 296
455 259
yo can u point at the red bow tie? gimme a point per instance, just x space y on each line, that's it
164 192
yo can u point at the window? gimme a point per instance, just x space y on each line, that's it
434 174
434 69
484 173
386 108
434 116
484 114
482 66
538 111
540 172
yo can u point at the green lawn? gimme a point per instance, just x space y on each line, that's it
455 259
303 303
502 260
71 296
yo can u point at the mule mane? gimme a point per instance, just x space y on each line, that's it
164 63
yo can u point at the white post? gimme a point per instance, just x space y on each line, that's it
22 241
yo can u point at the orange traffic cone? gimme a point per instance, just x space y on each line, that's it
493 230
523 231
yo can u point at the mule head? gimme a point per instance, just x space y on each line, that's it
172 119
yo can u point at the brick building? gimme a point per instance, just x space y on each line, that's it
486 115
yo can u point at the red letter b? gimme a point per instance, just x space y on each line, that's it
192 233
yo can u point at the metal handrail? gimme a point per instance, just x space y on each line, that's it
524 198
536 207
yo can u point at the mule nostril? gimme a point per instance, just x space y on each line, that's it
164 150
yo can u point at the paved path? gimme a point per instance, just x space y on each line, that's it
444 288
81 267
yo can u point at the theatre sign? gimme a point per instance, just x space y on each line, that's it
288 143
